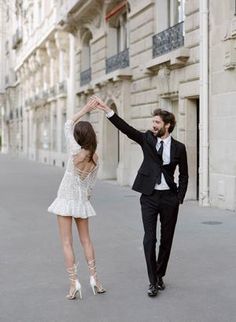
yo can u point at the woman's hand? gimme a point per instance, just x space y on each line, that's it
101 105
91 104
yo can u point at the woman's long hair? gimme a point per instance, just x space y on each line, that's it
85 136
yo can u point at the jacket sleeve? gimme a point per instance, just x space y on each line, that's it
125 128
183 175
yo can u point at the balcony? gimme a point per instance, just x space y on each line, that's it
36 97
52 91
45 94
6 80
119 61
62 88
168 49
85 77
168 40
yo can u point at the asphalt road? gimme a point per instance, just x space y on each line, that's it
200 279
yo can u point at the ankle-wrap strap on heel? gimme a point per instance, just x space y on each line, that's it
95 284
76 286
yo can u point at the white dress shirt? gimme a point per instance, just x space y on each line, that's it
166 160
110 114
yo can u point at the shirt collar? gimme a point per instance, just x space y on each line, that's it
166 140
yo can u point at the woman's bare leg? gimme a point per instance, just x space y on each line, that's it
65 231
83 230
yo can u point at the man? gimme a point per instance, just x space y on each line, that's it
155 180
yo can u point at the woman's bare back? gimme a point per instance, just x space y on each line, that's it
83 163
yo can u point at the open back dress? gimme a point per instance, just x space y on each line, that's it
75 189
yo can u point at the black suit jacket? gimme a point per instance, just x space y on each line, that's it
148 172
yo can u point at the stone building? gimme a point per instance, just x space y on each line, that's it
136 55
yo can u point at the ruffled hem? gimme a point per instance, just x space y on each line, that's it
72 208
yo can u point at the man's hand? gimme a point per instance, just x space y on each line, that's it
101 105
91 104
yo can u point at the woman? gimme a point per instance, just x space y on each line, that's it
73 197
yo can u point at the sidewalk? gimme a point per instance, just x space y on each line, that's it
200 279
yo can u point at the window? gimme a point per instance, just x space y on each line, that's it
54 133
85 75
118 25
39 12
121 33
7 13
169 13
7 47
86 51
63 139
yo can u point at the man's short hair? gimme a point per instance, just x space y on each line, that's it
166 116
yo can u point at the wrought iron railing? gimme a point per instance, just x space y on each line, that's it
45 94
85 77
62 88
119 61
168 40
52 91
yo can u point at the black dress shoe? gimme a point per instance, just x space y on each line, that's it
152 290
160 284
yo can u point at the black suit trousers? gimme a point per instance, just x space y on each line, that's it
164 203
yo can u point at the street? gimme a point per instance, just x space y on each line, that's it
200 281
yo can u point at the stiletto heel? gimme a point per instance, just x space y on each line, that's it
76 286
95 284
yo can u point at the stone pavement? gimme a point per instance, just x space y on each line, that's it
200 280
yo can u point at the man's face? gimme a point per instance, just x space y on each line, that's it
158 126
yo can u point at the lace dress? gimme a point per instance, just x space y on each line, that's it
76 185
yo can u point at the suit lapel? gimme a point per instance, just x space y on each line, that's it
172 149
152 140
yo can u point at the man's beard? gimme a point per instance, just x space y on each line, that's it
161 132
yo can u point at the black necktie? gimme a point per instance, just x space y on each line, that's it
159 152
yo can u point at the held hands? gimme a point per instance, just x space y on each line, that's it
91 104
100 104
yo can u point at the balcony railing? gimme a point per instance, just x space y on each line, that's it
6 80
45 94
168 40
36 97
62 88
119 61
52 91
85 77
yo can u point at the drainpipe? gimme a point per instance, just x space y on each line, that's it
204 104
71 88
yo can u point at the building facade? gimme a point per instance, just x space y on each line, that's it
136 55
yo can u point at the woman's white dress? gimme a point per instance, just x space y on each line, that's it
75 188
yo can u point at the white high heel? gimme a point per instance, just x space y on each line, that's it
76 287
94 282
